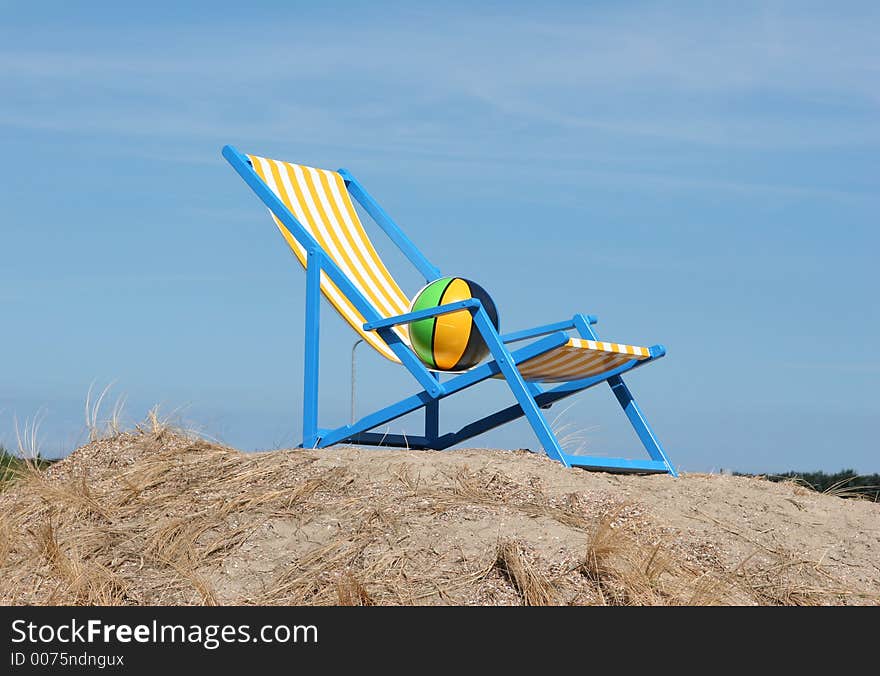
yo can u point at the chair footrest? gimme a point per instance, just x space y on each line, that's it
615 464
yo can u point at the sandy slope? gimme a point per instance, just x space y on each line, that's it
155 517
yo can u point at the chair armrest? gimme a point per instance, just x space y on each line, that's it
544 330
471 304
657 351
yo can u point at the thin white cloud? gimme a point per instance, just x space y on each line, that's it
615 93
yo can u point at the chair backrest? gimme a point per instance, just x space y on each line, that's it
320 202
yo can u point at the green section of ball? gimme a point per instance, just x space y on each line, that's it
421 332
451 341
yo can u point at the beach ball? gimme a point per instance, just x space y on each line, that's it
450 342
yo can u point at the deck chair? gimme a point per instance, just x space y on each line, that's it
314 211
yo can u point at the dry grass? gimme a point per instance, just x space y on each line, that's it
843 489
27 436
141 533
352 593
159 517
626 572
533 585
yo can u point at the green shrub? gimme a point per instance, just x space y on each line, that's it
11 466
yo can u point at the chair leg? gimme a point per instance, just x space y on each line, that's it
312 361
519 387
432 419
628 404
639 422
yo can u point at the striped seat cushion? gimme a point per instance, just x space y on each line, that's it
578 359
321 203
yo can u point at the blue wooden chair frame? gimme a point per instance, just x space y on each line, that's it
530 397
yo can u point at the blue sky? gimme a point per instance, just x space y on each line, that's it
706 178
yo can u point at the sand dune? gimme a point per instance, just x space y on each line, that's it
158 517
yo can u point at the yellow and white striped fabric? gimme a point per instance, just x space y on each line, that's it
321 203
578 359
